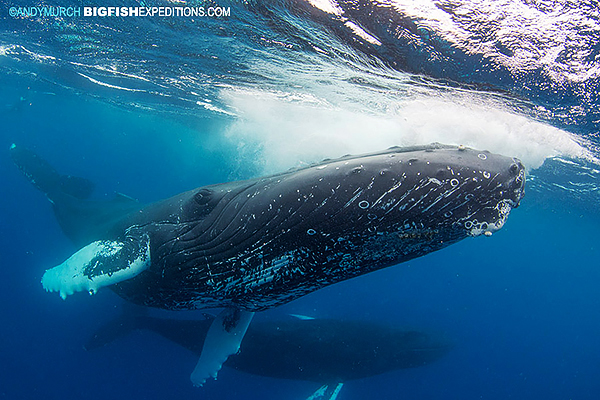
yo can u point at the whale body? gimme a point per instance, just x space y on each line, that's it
252 245
316 350
256 244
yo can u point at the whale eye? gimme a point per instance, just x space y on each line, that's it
203 196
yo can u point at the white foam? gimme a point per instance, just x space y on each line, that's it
360 32
108 85
328 6
275 133
69 277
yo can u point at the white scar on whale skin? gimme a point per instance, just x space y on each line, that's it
72 275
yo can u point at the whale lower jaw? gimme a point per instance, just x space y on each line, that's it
487 228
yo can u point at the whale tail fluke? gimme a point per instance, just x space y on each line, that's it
46 179
82 219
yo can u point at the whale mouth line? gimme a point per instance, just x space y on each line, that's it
512 203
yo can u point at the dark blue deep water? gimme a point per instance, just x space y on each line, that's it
154 106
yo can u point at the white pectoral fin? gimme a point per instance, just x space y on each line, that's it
223 339
326 392
99 264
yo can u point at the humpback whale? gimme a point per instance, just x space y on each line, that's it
328 352
251 245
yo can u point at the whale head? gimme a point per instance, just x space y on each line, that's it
442 191
462 188
380 209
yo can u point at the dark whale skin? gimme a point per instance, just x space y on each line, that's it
255 244
260 243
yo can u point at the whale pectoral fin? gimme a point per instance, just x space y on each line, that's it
223 339
101 263
327 392
302 317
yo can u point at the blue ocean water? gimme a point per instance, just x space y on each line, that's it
154 106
